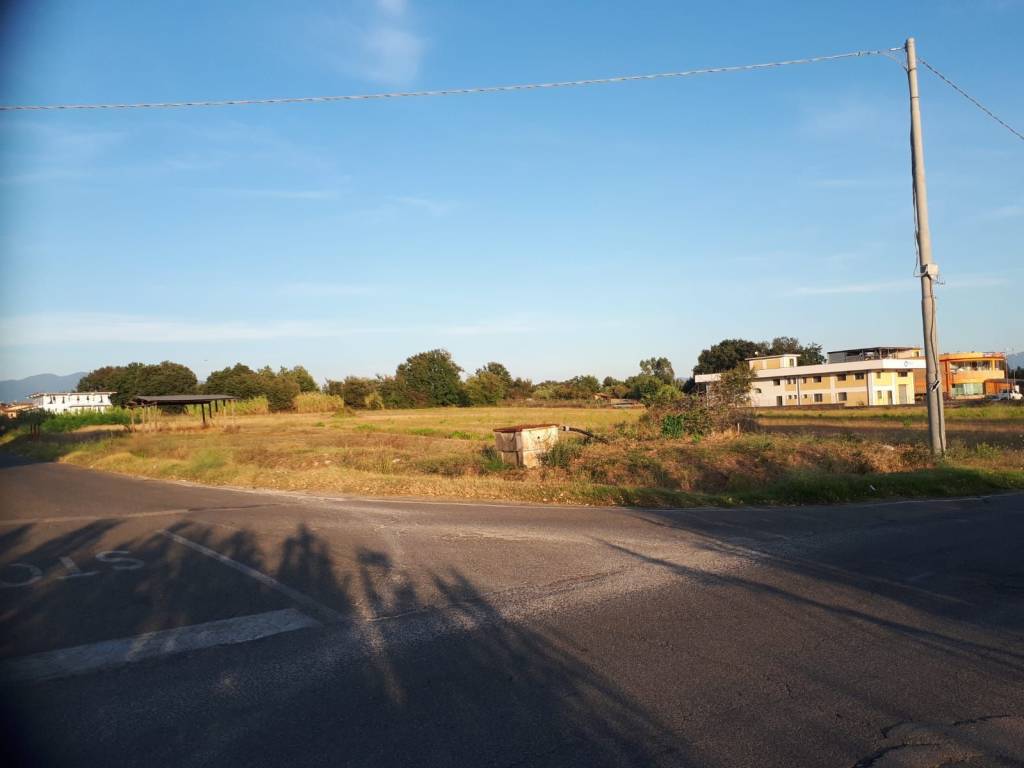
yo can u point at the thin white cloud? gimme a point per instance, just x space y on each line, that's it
75 328
853 183
396 8
1013 211
433 207
278 194
379 42
828 290
46 153
963 281
848 117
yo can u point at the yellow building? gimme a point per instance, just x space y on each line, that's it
860 378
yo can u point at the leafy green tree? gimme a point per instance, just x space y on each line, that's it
811 354
128 381
498 370
727 354
666 394
485 388
238 380
643 386
431 378
393 394
354 390
302 377
279 388
520 389
733 389
101 380
807 354
660 368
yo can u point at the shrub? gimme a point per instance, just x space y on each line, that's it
485 388
672 425
317 402
353 389
490 460
280 390
690 416
70 421
562 453
251 406
666 394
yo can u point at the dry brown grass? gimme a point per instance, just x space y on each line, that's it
448 453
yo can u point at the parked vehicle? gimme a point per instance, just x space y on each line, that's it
1008 396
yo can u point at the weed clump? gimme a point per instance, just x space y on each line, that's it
562 454
72 420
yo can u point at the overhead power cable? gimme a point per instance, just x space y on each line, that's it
449 91
973 100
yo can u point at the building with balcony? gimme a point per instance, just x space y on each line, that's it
968 375
62 402
851 380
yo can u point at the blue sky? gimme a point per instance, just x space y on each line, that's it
561 232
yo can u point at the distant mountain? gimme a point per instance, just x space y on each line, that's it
1016 360
13 390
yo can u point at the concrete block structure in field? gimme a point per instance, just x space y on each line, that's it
875 376
62 402
524 445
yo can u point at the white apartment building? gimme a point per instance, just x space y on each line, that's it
857 380
62 402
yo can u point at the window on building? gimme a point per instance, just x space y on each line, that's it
818 397
903 374
841 377
858 376
777 382
841 397
817 379
878 374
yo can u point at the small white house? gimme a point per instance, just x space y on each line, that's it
62 402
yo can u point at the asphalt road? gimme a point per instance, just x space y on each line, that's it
148 623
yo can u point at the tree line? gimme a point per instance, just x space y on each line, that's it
432 378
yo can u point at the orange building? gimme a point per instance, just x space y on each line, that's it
968 375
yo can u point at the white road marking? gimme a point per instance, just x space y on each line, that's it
81 518
111 653
73 571
296 597
34 575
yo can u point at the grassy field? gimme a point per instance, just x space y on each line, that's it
961 412
819 457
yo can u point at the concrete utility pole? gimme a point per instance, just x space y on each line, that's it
928 270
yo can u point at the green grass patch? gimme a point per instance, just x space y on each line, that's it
447 434
72 420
